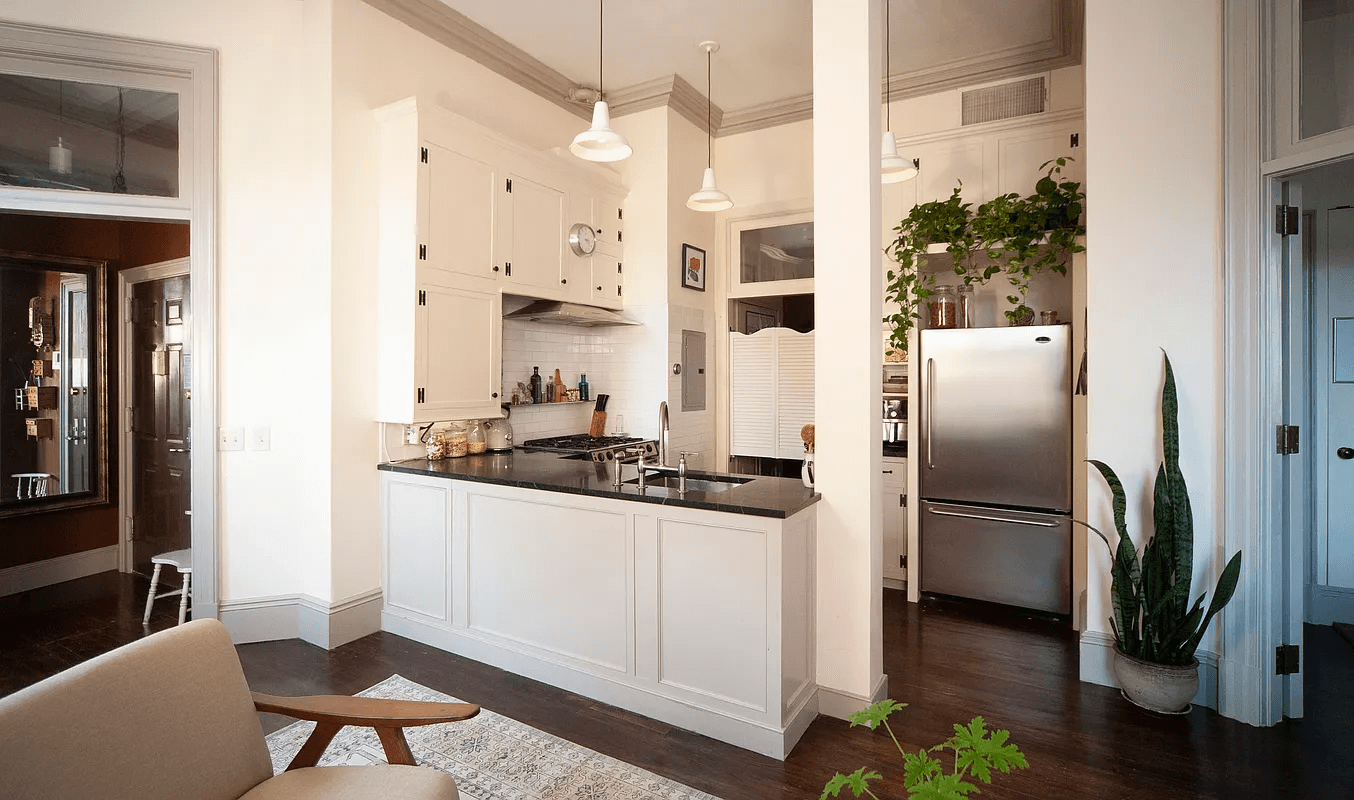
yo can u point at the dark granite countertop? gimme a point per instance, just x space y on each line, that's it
759 497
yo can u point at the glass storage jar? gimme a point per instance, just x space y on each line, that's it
437 446
457 440
475 437
964 305
942 305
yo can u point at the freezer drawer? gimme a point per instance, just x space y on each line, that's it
1018 558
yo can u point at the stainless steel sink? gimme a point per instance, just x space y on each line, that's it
694 483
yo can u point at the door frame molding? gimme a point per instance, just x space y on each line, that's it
128 278
56 52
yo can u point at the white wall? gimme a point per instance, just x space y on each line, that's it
1154 281
274 346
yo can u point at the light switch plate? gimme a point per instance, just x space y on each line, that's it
260 438
231 439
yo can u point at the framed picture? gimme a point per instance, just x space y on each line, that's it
693 267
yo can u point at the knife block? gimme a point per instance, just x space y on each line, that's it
598 427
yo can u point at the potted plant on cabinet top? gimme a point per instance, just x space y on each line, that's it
1018 237
1156 630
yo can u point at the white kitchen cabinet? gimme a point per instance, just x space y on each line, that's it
606 283
702 619
457 352
895 521
456 215
533 234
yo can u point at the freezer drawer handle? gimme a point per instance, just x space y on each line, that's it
1029 522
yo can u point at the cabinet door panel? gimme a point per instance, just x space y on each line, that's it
459 228
1019 159
606 280
538 235
458 352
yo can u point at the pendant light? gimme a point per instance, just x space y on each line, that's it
59 155
600 142
892 167
709 197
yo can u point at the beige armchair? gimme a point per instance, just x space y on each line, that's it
170 717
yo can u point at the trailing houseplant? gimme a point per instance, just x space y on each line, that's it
1153 622
977 752
1010 235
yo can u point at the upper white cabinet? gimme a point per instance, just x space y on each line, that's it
533 233
466 215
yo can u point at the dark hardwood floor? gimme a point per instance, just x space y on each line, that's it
948 661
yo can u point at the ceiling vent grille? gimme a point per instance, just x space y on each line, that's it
1007 100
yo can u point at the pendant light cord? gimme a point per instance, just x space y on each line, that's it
888 111
600 48
709 104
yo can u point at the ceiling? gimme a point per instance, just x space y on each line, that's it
765 55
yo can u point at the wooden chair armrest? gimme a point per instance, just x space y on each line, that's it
389 717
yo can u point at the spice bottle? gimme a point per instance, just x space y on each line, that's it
535 383
942 305
583 387
965 306
475 437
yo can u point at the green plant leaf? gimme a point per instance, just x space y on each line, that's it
858 782
876 714
1222 595
945 787
978 752
920 769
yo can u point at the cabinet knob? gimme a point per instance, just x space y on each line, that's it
495 395
599 288
563 280
495 268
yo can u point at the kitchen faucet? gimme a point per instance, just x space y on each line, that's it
663 433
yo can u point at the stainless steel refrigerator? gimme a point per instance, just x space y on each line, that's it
996 465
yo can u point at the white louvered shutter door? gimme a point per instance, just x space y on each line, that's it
752 396
794 388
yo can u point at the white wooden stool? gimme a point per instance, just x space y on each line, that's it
182 560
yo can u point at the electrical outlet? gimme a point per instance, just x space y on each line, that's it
231 439
260 438
411 434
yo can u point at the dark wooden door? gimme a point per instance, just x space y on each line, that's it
160 419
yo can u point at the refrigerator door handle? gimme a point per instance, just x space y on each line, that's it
930 411
1030 522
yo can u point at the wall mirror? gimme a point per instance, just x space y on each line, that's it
53 389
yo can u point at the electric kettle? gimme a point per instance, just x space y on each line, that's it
498 432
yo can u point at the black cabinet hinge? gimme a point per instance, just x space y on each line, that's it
618 267
423 154
423 252
902 562
507 268
509 186
902 501
420 394
620 236
618 291
422 297
1287 659
620 213
1074 140
1286 220
1286 440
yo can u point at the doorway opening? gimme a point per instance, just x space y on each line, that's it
1319 343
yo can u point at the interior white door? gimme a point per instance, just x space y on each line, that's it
1338 376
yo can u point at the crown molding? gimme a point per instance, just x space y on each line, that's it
447 26
672 91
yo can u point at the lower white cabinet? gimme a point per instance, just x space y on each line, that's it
895 521
702 619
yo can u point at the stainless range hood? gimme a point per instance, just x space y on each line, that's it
576 314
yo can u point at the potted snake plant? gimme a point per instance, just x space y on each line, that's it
1156 629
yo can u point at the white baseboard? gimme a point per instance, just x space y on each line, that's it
840 704
1097 666
300 616
1327 604
895 583
27 577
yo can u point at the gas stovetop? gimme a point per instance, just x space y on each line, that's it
599 448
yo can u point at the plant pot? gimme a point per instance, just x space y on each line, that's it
1156 687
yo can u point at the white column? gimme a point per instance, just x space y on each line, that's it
849 346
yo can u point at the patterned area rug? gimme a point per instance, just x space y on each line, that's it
491 757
